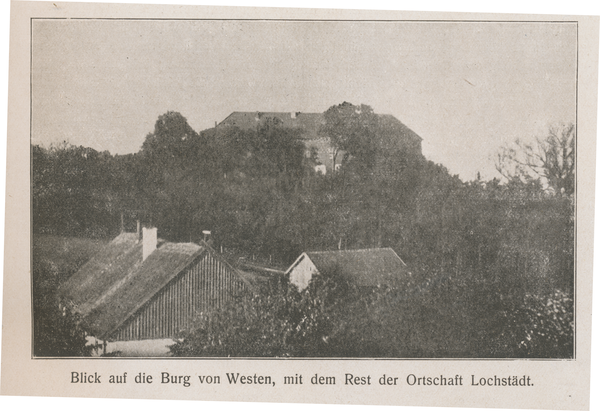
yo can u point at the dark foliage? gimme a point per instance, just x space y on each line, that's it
333 318
274 321
488 259
56 330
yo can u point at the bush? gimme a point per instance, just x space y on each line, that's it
541 327
251 324
332 318
56 331
275 321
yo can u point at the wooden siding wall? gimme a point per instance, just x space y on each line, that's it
206 284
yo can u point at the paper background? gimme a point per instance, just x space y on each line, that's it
87 403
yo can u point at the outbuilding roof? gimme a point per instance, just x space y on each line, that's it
367 267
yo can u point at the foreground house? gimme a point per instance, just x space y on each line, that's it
371 267
149 289
310 125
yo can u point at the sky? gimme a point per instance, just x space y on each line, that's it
466 88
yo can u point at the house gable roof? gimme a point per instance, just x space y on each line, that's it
110 265
368 267
140 285
116 283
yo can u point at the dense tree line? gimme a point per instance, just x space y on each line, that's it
484 254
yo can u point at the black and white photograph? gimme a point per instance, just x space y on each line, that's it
287 199
298 188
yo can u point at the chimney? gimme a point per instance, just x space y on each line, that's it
207 237
139 232
293 114
150 240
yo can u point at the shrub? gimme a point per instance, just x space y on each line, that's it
541 327
56 331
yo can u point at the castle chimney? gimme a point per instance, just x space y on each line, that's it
150 240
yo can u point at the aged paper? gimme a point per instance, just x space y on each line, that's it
61 56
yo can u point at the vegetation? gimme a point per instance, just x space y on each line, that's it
278 321
333 318
492 262
56 331
550 159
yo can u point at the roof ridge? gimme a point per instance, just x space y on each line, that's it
357 249
299 113
178 243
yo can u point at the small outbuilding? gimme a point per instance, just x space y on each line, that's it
370 267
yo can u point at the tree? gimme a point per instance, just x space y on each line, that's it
276 151
171 140
71 188
351 129
550 160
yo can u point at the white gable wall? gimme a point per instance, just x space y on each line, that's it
302 272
